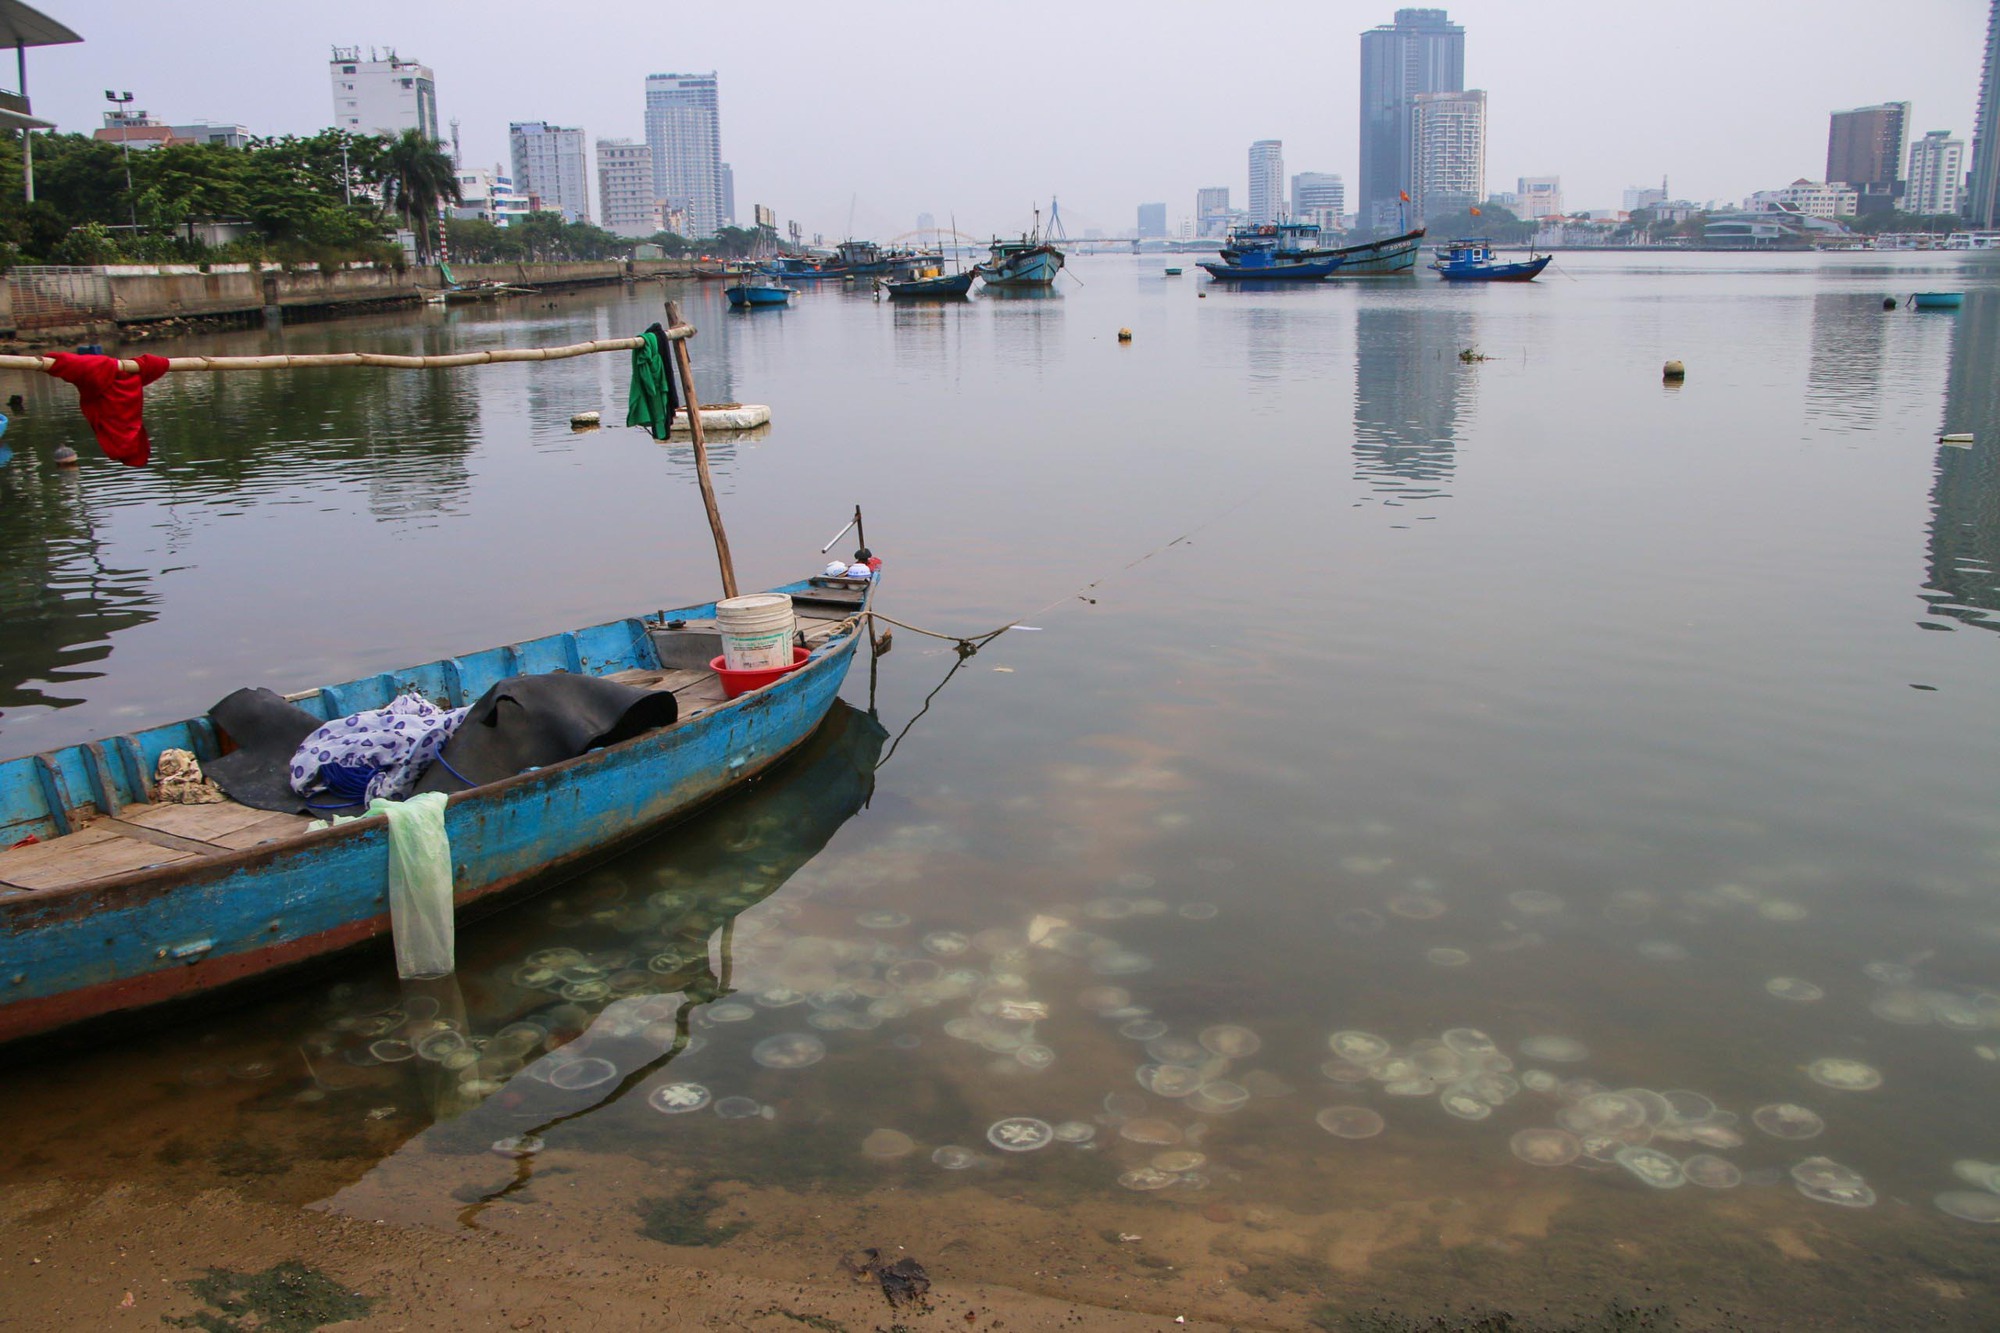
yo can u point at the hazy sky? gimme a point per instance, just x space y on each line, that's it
892 108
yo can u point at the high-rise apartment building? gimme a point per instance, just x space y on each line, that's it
1152 221
1982 203
1864 150
1319 197
1538 197
383 94
1447 153
1936 179
1211 210
549 165
627 204
728 195
684 128
1423 51
1267 181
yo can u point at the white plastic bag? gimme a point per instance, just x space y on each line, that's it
420 908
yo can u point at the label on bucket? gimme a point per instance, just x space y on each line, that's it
756 631
756 652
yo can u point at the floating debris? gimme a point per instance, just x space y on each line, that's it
1795 989
1788 1120
1828 1181
789 1050
677 1098
1545 1147
1652 1166
1847 1075
1020 1134
1231 1041
954 1158
1558 1050
1971 1205
1351 1122
1711 1172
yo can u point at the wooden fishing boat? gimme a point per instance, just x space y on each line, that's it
1032 261
757 293
122 902
1472 260
1300 241
937 287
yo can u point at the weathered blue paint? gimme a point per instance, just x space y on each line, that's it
77 953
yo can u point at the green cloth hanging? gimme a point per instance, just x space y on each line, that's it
653 399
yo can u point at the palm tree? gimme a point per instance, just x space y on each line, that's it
417 177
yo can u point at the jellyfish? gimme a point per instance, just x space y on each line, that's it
1338 1070
1663 951
1357 921
1218 1097
1711 1172
739 1108
1794 989
1652 1166
1889 974
1899 1005
1971 1205
1198 911
788 1050
1147 1179
1464 1105
1787 1120
1020 1134
1143 1029
1231 1041
1169 1080
1034 1057
1545 1147
1535 902
730 1011
518 1145
1828 1181
1180 1161
1363 1048
1445 956
1152 1131
954 1158
1417 906
1350 1122
1075 1131
1172 1050
586 1072
1120 963
1847 1075
882 919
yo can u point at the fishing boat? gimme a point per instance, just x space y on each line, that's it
753 292
1173 272
115 898
1383 258
935 287
1938 300
797 268
1301 241
1031 261
1471 260
1273 266
866 260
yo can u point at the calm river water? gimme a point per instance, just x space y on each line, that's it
1439 750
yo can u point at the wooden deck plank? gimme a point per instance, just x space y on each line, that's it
273 827
651 678
208 823
90 853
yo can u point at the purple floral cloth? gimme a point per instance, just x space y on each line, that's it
391 746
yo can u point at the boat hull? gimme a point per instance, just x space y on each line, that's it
1027 268
1938 300
1379 259
194 928
1305 270
1525 271
741 298
946 288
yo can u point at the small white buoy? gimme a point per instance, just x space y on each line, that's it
1958 440
585 421
1673 370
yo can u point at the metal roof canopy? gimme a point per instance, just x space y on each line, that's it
23 25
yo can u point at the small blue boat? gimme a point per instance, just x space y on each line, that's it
112 900
936 287
1273 266
1472 260
1938 300
757 293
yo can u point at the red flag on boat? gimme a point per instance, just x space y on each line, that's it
1405 194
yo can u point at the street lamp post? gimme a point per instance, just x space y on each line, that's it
121 101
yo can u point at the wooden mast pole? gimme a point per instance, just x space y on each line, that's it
685 366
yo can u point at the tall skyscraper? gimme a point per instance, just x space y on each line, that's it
1982 204
627 204
1422 52
1319 197
1152 221
549 165
684 128
1211 210
728 195
1936 178
1864 151
1447 153
385 95
1267 181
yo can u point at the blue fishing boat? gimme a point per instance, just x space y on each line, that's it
933 287
1301 241
1273 266
1938 300
113 900
757 293
1031 261
1472 260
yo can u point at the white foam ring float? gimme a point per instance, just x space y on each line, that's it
726 416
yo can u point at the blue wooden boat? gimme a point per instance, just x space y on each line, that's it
757 293
1472 260
1273 266
1031 261
937 287
112 902
1938 300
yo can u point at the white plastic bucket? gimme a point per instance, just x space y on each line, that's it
756 631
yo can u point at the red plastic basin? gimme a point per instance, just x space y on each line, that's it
735 683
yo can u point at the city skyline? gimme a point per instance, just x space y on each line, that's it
1564 107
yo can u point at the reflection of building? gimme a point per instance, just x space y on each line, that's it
1447 153
385 96
1937 174
549 165
1267 180
1422 52
626 201
1409 391
1864 151
1982 205
684 127
1963 579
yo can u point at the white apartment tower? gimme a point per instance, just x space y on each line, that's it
549 165
1447 153
1539 197
1319 197
1267 181
626 201
684 129
383 94
1936 175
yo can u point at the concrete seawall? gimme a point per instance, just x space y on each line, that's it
59 304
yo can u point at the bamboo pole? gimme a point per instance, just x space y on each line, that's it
685 366
379 360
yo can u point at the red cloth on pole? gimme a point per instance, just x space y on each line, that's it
113 402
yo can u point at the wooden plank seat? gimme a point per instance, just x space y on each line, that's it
142 837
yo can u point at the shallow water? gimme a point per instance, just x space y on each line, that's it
1524 695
